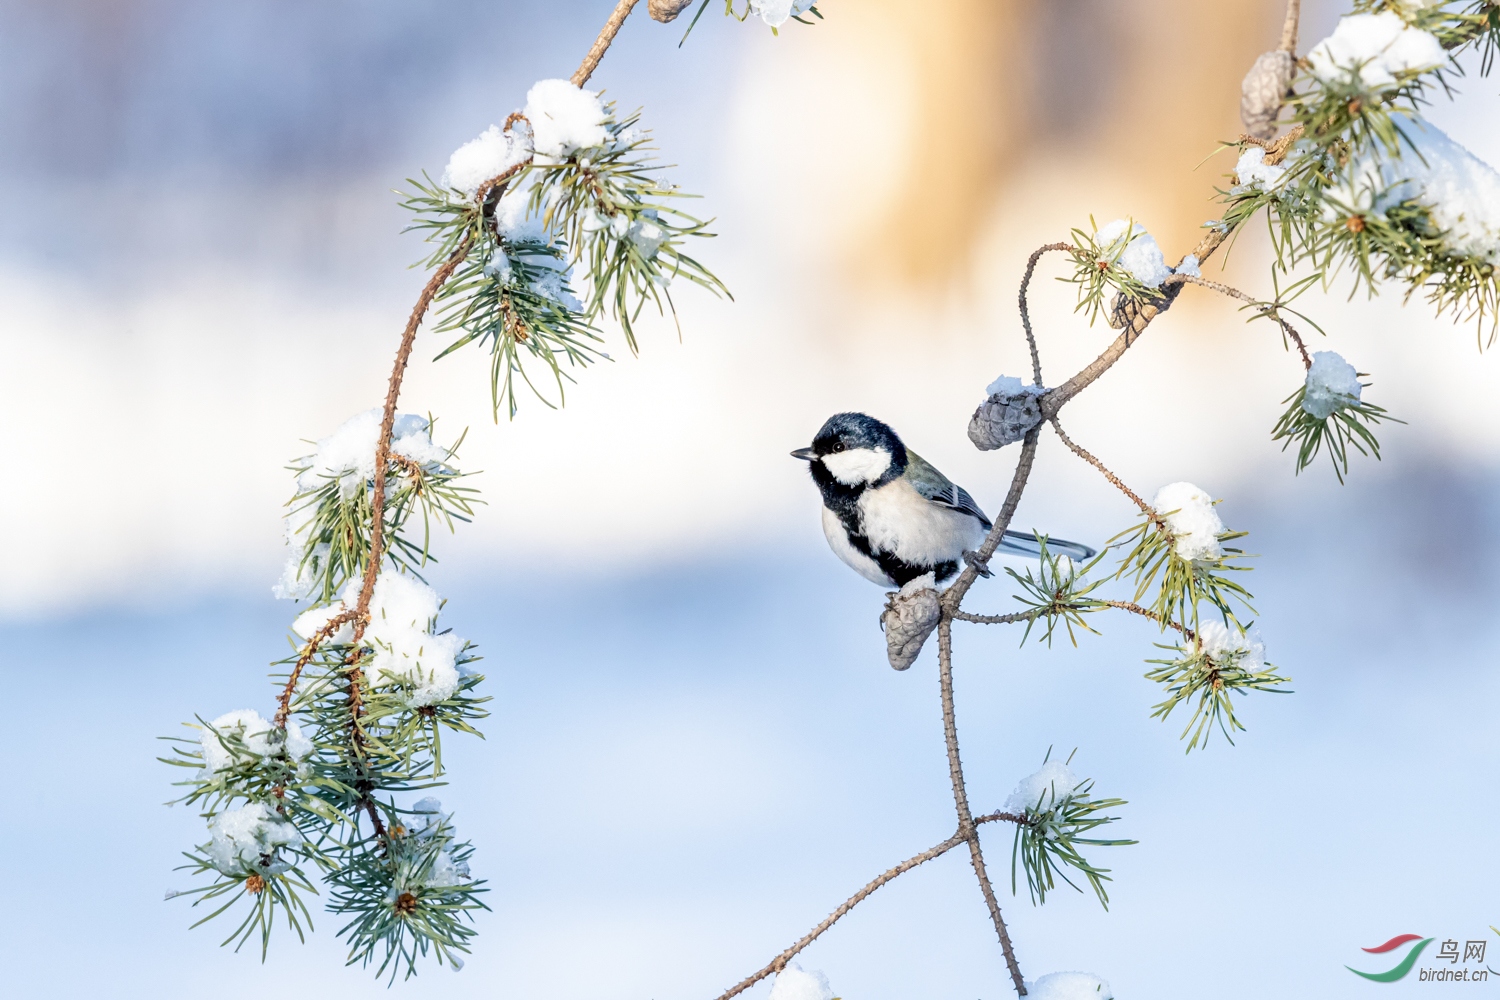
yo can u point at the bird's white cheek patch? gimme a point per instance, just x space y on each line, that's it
857 465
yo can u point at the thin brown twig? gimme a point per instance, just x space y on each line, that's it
387 423
1265 309
1018 616
1289 27
954 595
1136 609
1115 480
779 962
1036 255
601 44
966 824
374 817
284 702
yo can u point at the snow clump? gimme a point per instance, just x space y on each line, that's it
564 119
426 821
516 223
446 872
405 651
778 12
1069 986
1252 171
647 234
348 454
1232 647
1374 48
299 578
1460 191
1039 792
794 983
1009 385
1141 256
1189 266
255 733
247 840
1332 384
490 155
1192 520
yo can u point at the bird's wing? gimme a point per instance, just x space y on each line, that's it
939 489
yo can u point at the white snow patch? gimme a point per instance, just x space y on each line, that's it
1253 171
796 983
552 280
348 454
1331 384
488 156
1189 267
564 119
1141 256
246 840
307 624
1009 385
446 872
1193 522
254 732
647 234
1233 647
1374 47
402 610
1069 986
514 221
1460 191
778 12
298 578
1039 792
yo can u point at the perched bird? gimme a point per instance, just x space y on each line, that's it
890 515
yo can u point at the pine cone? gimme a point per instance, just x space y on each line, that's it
1263 92
910 616
1003 419
667 10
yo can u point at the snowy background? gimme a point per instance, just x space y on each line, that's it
697 749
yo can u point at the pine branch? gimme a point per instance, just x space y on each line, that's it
779 962
602 43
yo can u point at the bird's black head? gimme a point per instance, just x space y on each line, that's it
851 453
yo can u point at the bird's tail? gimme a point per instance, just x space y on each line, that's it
1025 543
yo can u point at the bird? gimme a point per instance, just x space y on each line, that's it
891 516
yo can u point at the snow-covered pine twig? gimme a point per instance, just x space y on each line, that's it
1120 259
563 219
1222 661
1055 808
1362 182
371 683
329 517
1327 410
1181 542
1057 593
420 899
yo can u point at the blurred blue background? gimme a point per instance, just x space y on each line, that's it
696 749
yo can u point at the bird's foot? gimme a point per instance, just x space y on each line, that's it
983 565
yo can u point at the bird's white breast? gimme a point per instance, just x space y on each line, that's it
838 540
899 520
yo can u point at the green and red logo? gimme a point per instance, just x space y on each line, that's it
1402 967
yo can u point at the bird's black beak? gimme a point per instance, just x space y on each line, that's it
806 454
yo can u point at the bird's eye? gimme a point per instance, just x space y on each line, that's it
837 446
